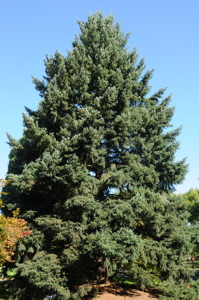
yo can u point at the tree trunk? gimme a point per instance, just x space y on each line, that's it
106 275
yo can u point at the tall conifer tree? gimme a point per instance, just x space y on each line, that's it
94 170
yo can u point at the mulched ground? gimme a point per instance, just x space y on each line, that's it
113 292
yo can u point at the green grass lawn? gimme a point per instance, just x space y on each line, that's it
131 282
194 265
124 280
10 273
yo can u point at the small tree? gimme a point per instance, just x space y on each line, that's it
12 230
191 198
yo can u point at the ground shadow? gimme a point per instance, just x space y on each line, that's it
122 291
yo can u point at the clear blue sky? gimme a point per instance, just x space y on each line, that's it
165 33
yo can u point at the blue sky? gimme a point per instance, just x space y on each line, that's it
165 33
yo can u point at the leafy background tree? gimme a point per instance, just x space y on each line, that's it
12 230
94 171
191 198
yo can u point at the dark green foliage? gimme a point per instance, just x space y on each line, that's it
94 170
3 293
42 273
179 292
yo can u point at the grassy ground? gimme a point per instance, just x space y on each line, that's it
193 265
10 273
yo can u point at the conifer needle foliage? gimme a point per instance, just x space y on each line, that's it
94 170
